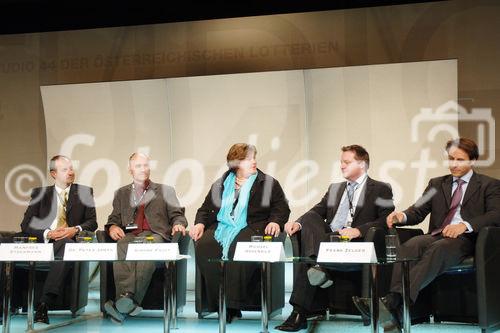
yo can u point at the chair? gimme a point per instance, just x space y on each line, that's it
153 299
472 285
275 295
75 293
352 280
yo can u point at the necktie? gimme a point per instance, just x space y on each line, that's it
139 214
61 214
340 218
455 202
139 219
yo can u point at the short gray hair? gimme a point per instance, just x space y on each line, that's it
52 162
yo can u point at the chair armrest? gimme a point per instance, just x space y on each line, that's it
103 237
105 270
487 259
79 286
281 237
377 236
7 236
183 241
176 237
295 240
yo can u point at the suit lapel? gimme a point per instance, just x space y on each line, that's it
365 193
151 193
131 206
51 198
72 197
258 183
336 192
446 187
472 188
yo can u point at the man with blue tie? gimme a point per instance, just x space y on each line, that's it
347 209
460 204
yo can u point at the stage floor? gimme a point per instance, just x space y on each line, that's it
188 322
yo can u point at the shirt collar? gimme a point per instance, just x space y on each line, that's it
360 179
466 178
60 190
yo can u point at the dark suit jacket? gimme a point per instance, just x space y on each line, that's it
42 210
480 205
267 203
374 204
162 209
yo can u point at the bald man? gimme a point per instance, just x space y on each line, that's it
140 209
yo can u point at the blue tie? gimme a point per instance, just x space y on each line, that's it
340 218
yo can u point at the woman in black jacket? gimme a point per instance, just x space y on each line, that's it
244 202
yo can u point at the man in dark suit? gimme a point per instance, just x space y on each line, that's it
460 205
56 214
347 209
140 209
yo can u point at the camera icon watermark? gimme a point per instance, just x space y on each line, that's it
448 114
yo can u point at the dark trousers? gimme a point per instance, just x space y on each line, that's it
242 279
56 276
305 297
436 253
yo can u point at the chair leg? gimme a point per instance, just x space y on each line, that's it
77 313
277 312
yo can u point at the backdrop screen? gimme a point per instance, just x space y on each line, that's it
298 120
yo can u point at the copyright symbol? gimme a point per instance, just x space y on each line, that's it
15 178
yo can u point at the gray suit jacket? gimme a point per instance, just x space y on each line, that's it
162 209
480 205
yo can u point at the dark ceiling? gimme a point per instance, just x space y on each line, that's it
21 16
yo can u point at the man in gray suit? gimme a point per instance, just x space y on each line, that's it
141 209
460 204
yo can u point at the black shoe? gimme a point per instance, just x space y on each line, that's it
391 312
295 322
41 314
318 276
232 315
363 306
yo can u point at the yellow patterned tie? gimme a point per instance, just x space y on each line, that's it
61 214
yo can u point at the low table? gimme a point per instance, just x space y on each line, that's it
264 266
168 287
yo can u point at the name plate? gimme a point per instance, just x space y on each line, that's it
26 252
153 251
340 252
90 251
259 251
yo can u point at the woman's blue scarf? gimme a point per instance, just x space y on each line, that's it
229 226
